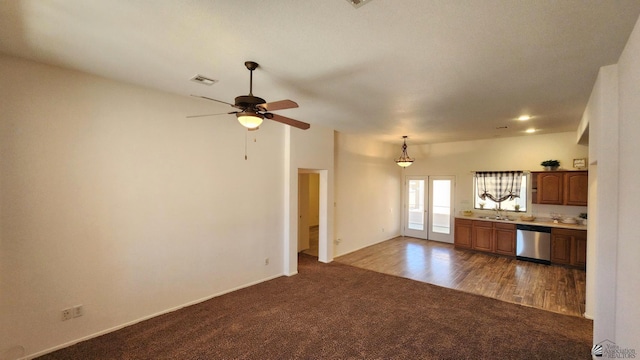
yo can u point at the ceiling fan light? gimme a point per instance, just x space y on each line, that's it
250 120
404 160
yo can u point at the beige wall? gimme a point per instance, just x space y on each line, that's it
601 114
627 328
612 267
112 199
367 192
309 151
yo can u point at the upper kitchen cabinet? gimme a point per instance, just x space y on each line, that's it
560 187
576 188
550 188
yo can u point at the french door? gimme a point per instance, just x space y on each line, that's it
428 205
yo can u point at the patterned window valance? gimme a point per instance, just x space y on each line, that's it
498 185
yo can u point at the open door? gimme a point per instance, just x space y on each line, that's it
303 212
308 213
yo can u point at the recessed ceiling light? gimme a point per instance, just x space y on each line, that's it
524 118
532 130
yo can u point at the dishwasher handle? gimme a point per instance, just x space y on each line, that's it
536 228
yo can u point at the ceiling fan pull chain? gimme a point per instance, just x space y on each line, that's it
245 144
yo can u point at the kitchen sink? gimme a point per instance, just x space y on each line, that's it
494 218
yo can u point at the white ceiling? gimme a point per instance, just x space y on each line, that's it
434 70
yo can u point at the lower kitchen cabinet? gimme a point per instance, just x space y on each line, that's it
482 236
487 236
560 248
462 233
580 250
505 236
569 247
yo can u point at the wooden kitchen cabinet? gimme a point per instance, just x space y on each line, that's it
560 187
560 248
576 188
462 233
550 188
569 247
487 236
505 235
579 250
482 236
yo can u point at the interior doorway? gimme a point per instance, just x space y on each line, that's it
308 213
428 207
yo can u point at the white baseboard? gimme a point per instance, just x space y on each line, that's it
118 327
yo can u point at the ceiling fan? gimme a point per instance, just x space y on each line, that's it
252 110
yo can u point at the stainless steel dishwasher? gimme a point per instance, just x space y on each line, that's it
533 243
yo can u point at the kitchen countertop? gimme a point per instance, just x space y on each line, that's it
538 221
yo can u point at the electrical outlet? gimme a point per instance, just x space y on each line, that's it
78 310
67 314
266 261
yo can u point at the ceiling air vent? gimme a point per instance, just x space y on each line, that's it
203 80
357 3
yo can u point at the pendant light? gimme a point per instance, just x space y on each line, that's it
404 160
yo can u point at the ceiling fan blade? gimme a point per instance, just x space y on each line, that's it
224 113
288 121
208 98
279 105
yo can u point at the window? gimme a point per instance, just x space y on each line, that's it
509 204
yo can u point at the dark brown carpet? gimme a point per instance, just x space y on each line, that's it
335 311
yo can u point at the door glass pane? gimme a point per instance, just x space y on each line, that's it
441 221
416 205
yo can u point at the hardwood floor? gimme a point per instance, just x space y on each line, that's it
552 288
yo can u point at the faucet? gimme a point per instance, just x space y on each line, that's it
497 213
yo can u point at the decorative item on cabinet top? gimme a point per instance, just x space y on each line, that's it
580 163
550 165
